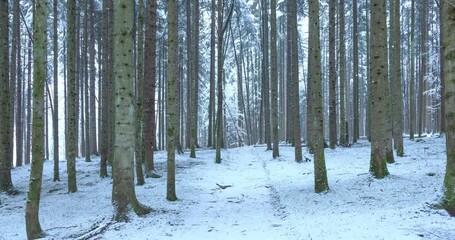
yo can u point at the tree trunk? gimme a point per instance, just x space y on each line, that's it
412 80
139 149
195 77
314 75
6 183
32 223
274 78
91 47
332 77
86 86
17 43
448 21
379 93
211 131
71 146
342 46
123 192
55 115
172 101
355 80
265 74
397 107
149 88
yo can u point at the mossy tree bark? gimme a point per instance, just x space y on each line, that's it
314 75
123 192
32 223
172 101
71 145
448 18
379 87
6 183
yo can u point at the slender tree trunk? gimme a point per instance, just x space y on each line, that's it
448 21
172 101
32 223
17 43
149 88
211 131
86 86
219 113
342 45
71 146
332 77
294 94
379 93
55 115
265 74
29 103
6 183
92 118
355 49
274 78
195 77
412 80
314 75
139 148
105 132
397 108
441 68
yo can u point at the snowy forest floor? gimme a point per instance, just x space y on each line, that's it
267 199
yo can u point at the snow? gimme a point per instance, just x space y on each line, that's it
266 199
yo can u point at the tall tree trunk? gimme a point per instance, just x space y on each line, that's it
342 45
149 88
219 113
448 21
17 43
314 75
332 77
139 148
379 93
397 107
71 145
6 183
92 118
105 92
172 101
29 103
441 68
294 89
423 67
274 78
55 115
195 76
355 49
412 80
211 131
123 192
86 85
189 72
32 223
265 74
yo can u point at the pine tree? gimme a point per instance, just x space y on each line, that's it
71 145
274 78
172 97
379 93
123 192
314 75
32 223
332 77
448 21
6 183
55 114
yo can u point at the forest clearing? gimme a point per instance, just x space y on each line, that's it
263 198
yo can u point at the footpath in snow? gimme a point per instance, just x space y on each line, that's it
251 196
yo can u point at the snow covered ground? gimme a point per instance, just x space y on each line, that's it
268 199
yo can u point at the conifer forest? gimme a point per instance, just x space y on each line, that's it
227 119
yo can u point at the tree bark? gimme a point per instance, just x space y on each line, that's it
32 223
355 73
123 192
71 146
274 78
332 77
55 114
342 45
314 75
172 101
448 21
379 82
